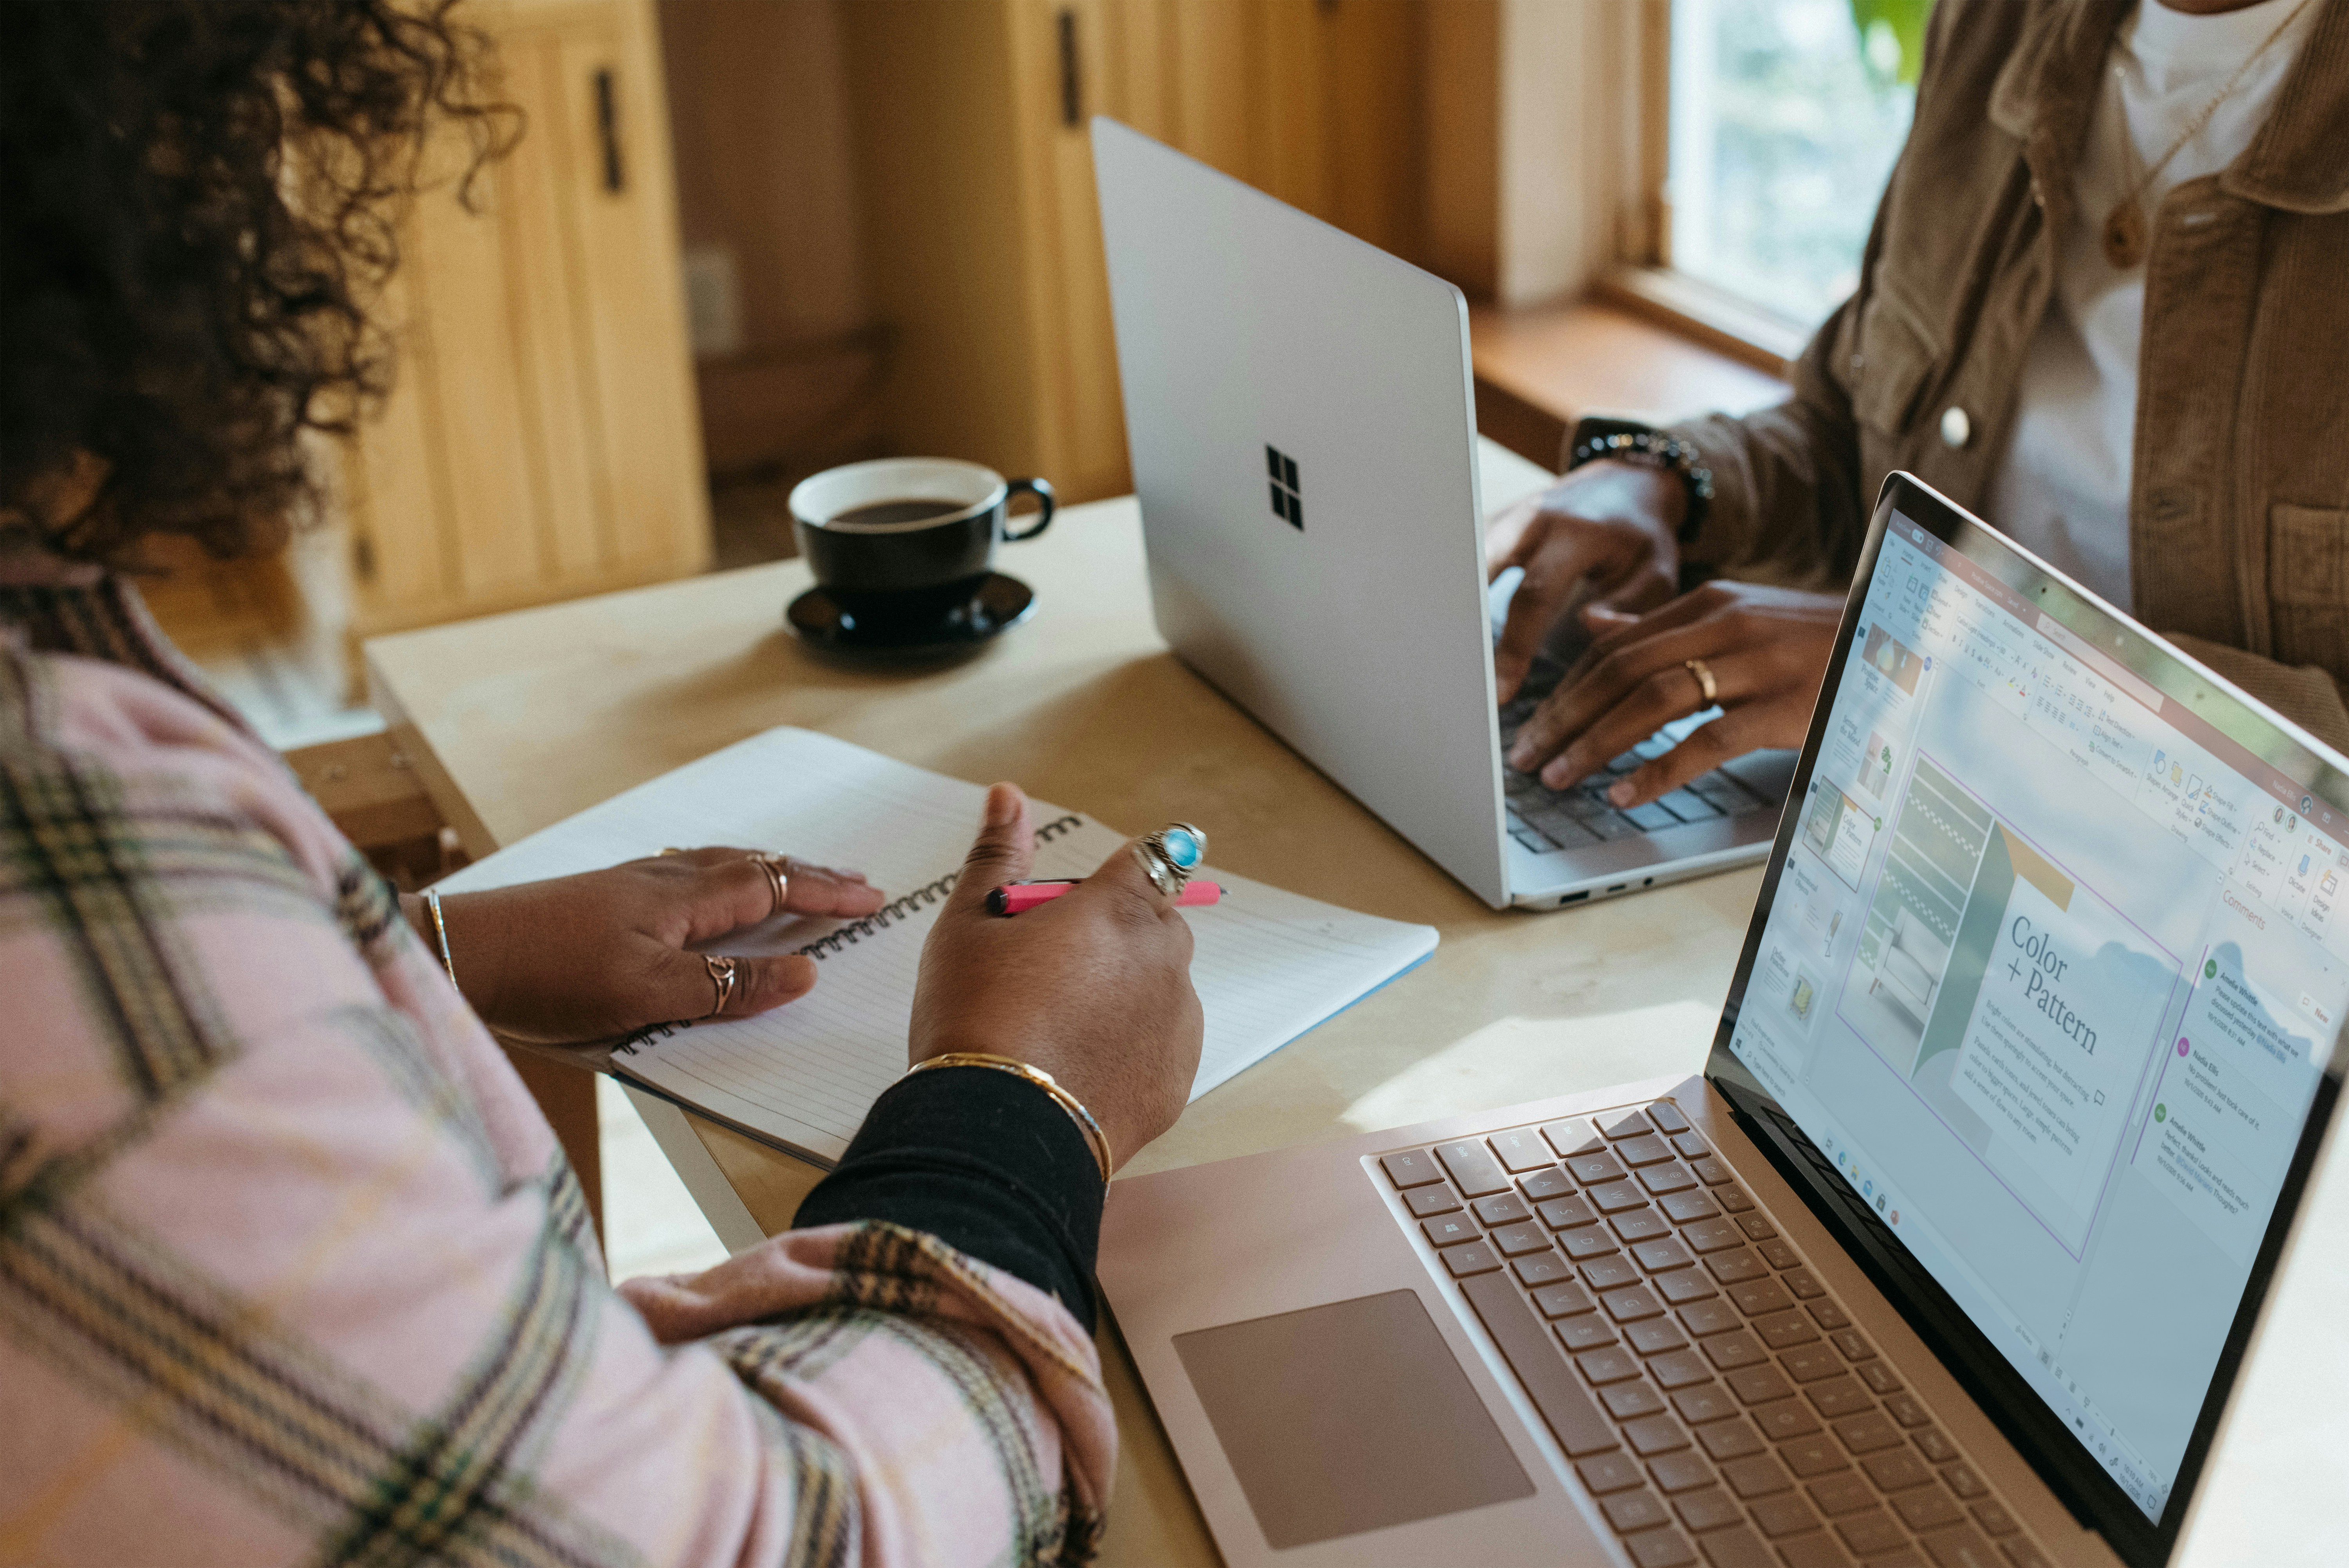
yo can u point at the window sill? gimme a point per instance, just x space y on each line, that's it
1714 317
1541 368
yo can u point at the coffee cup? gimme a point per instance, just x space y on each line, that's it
904 539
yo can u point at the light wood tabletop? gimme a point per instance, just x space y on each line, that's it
518 721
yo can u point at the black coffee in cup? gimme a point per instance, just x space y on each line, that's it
908 539
881 514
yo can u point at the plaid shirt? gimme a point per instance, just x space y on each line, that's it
292 1269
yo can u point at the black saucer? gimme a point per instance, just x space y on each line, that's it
1001 603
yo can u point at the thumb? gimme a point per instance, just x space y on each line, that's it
1004 851
1599 617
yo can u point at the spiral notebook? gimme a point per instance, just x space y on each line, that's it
1269 964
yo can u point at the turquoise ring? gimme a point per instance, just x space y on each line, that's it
1171 853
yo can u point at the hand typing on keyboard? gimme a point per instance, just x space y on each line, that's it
1765 648
1544 819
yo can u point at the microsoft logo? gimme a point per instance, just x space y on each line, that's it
1288 496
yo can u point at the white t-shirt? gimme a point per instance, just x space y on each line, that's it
2063 489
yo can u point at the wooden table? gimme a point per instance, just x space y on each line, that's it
518 721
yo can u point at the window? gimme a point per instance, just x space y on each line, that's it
1785 116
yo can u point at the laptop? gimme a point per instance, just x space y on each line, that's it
1954 1252
1300 416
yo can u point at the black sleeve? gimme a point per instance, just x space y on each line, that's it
987 1163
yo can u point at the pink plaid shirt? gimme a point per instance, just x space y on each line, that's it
292 1269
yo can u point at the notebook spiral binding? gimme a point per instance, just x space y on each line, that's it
889 914
920 898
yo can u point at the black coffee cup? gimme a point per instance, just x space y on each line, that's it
905 539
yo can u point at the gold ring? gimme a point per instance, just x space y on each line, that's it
777 878
672 849
1704 673
721 975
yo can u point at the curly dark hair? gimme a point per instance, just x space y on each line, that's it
197 206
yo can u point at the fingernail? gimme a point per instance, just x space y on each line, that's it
1621 792
1002 806
1520 756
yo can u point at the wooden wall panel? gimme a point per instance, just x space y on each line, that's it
1463 121
764 165
543 438
638 399
1319 104
938 167
572 502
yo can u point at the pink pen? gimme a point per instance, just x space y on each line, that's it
1013 898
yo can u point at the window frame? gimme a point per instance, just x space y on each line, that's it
1640 275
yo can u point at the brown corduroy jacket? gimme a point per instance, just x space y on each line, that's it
2239 499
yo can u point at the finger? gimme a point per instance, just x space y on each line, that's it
1122 882
1635 658
1645 588
1506 535
810 890
1554 569
1646 707
1734 733
708 854
682 987
1004 851
762 984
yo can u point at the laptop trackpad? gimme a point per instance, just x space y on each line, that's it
1348 1417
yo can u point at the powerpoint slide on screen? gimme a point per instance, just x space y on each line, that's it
2018 1001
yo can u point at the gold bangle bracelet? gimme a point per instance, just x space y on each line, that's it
441 930
1096 1138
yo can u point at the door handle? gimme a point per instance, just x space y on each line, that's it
607 128
1072 97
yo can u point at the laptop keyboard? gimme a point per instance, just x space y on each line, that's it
1544 819
1713 1396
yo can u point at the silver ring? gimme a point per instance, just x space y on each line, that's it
1179 849
777 878
721 975
1161 876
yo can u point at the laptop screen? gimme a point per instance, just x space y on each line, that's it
2052 958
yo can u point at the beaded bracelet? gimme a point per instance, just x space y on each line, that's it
1625 442
1094 1137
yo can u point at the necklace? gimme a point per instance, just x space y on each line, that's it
2123 231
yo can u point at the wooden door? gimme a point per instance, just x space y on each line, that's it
542 440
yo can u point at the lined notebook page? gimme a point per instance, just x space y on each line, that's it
1269 964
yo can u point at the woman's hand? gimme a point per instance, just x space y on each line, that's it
1767 648
591 956
1093 987
1607 527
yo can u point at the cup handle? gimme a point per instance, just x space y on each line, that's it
1043 490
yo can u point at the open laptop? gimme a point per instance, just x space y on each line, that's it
1954 1253
1301 415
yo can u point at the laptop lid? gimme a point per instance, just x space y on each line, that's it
1299 412
2040 1006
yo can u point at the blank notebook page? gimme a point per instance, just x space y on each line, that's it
1269 965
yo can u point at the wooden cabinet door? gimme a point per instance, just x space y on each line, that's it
542 440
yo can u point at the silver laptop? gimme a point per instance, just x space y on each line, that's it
1954 1253
1300 414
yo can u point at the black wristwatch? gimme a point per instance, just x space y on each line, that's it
1628 440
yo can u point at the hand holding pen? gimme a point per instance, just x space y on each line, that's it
1094 990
